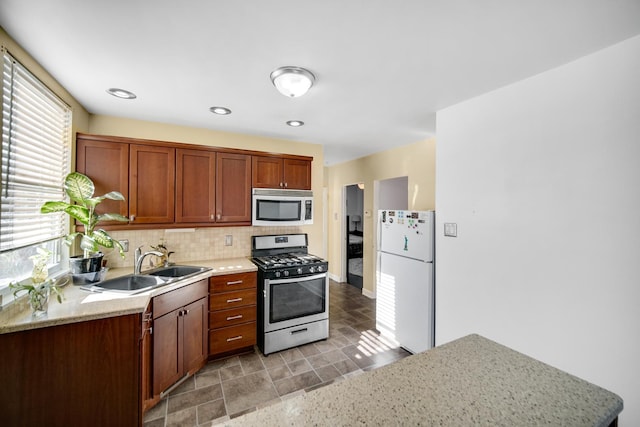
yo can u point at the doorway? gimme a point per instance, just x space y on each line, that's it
354 209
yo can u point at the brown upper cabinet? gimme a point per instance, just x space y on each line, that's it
212 187
107 163
172 183
281 172
195 185
145 175
233 188
152 174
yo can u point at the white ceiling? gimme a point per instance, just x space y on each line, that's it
383 68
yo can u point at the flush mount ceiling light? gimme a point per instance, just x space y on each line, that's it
295 123
220 110
292 81
121 93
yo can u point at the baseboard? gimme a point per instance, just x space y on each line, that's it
368 293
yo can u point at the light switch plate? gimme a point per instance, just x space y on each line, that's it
228 240
450 229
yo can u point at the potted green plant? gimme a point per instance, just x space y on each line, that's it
82 207
40 286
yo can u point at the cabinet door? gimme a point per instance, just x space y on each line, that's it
194 336
233 188
152 184
195 185
167 351
266 172
297 174
107 164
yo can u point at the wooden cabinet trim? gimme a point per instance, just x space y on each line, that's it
127 140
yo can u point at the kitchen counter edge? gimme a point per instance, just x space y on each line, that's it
80 306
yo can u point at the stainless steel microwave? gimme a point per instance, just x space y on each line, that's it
281 207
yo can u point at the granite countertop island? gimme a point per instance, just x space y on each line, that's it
79 305
468 382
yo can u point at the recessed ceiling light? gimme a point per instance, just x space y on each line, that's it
121 93
295 123
220 110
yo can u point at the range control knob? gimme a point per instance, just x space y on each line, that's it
299 270
312 270
320 268
277 274
286 273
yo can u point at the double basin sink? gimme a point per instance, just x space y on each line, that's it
135 283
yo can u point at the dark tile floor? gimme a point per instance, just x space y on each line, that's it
228 388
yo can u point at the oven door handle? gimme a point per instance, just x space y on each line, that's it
296 279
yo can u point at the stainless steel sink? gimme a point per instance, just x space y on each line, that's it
130 284
135 283
177 271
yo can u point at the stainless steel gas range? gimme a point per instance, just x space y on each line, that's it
293 292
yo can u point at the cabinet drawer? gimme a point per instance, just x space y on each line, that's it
231 282
166 303
235 316
232 338
235 299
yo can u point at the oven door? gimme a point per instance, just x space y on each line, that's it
294 301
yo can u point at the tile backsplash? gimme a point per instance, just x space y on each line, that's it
191 244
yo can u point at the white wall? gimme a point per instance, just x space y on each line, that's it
543 179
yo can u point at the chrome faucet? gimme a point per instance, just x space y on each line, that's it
138 258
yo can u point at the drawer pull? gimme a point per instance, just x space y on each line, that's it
239 337
239 316
234 300
297 331
236 282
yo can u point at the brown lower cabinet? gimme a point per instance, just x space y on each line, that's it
179 334
232 313
81 374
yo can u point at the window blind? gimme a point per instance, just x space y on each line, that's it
36 127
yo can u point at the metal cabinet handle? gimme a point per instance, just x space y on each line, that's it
239 316
234 300
218 216
237 282
286 184
213 216
239 337
132 218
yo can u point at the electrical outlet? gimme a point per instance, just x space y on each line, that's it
125 245
228 240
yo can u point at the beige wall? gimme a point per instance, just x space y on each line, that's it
416 161
107 125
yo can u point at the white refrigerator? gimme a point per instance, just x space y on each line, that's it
405 289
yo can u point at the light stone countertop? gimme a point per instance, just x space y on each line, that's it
471 381
80 305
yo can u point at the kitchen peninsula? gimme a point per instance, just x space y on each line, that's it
471 381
